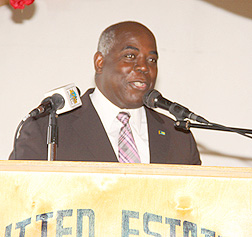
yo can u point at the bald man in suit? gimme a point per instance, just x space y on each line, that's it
126 68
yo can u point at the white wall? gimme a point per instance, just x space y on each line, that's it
205 62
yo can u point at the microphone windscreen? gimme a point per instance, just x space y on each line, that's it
149 98
71 95
58 101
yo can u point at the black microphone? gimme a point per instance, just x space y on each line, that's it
54 102
153 99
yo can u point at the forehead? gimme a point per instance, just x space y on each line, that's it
137 37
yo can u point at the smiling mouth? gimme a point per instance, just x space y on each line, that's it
139 85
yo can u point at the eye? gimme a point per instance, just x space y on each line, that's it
130 56
153 60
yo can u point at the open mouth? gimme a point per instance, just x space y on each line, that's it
139 85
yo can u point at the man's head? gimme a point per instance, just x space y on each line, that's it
126 63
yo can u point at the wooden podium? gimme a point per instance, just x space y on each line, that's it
111 199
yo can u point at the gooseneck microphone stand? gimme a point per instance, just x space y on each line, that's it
186 125
153 99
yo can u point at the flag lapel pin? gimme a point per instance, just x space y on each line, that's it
160 132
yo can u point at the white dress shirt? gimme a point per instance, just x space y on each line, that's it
107 112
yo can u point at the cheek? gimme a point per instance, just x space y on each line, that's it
124 68
153 75
153 70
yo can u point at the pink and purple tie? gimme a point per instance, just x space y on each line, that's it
127 150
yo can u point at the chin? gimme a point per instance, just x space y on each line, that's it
134 105
131 101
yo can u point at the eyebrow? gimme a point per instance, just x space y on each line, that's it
154 52
130 47
134 48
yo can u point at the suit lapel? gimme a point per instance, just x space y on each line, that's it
92 133
158 137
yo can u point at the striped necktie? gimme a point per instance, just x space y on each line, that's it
127 150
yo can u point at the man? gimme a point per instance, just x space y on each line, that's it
126 68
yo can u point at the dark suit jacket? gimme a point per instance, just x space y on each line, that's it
83 138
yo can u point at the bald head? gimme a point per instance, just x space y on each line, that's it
108 37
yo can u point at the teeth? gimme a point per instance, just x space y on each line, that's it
138 83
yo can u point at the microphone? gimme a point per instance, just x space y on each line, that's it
61 100
153 99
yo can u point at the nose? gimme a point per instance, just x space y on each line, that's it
141 66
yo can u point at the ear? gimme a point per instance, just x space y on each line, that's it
98 62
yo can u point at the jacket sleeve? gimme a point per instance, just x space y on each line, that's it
32 142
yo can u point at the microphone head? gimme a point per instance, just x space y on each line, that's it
150 98
58 101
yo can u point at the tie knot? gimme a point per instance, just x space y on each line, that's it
123 117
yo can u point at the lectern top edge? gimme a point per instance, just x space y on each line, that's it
131 169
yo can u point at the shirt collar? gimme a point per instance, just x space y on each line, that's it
108 111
